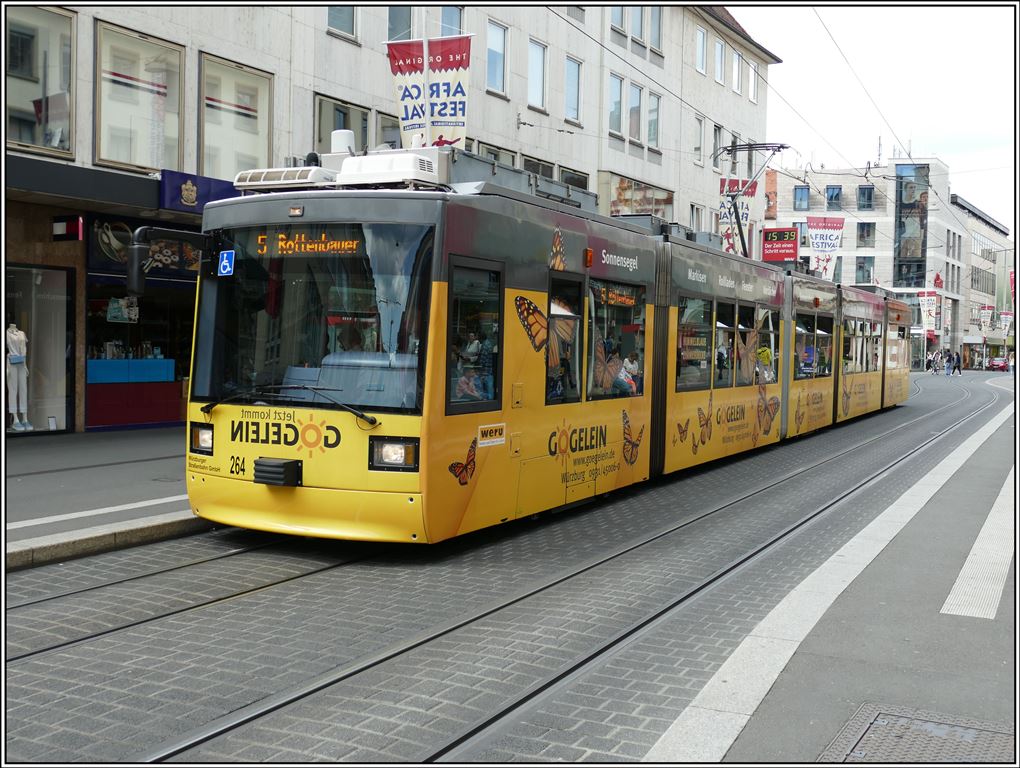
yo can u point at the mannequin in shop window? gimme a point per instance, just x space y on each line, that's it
17 378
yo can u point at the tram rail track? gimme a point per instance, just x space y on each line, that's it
461 743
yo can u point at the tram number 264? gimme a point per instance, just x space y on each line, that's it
237 465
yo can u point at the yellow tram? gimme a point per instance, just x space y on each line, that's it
388 348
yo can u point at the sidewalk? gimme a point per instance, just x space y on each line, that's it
77 494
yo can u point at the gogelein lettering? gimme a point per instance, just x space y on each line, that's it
577 440
275 433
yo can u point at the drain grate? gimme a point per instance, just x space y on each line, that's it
881 733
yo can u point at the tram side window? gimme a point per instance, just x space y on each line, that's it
823 346
473 361
853 337
873 345
725 320
563 350
766 364
805 347
616 326
693 343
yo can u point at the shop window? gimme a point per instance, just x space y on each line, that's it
693 343
473 362
39 333
139 95
248 134
563 349
333 115
725 322
39 101
616 324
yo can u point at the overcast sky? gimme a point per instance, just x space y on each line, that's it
943 79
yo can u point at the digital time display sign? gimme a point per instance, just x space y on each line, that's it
780 244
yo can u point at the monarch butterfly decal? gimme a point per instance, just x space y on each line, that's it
630 445
557 260
798 416
681 429
464 471
605 371
705 422
846 396
533 320
767 409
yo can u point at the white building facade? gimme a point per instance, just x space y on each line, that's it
124 116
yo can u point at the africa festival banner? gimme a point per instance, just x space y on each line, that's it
825 233
433 100
927 301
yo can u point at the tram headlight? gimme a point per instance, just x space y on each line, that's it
202 439
393 453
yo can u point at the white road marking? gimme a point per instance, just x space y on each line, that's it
93 512
978 588
706 730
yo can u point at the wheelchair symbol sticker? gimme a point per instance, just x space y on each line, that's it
226 264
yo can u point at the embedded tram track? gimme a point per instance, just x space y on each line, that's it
459 744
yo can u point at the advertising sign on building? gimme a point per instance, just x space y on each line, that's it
432 99
825 233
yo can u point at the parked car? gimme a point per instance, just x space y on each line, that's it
997 364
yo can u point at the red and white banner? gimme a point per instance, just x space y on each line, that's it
433 99
1005 320
986 318
927 301
825 233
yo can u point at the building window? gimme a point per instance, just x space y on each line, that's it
334 115
734 140
572 89
247 96
35 119
387 131
736 71
637 27
615 104
139 118
701 51
802 230
503 156
833 198
655 27
697 217
536 74
865 198
340 18
801 198
496 62
866 234
574 178
653 119
539 167
450 23
634 110
699 139
616 17
752 81
750 160
716 145
720 62
400 22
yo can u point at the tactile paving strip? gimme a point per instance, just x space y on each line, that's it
880 733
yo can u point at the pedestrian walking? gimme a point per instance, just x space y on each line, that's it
949 363
935 362
956 364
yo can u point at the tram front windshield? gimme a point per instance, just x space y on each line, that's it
327 314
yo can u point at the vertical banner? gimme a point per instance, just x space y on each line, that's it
433 99
449 68
407 63
926 300
825 233
726 220
1005 320
986 318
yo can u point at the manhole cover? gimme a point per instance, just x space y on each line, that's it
880 733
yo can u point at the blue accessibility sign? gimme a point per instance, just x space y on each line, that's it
226 264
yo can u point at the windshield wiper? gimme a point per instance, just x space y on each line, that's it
238 395
266 389
322 390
